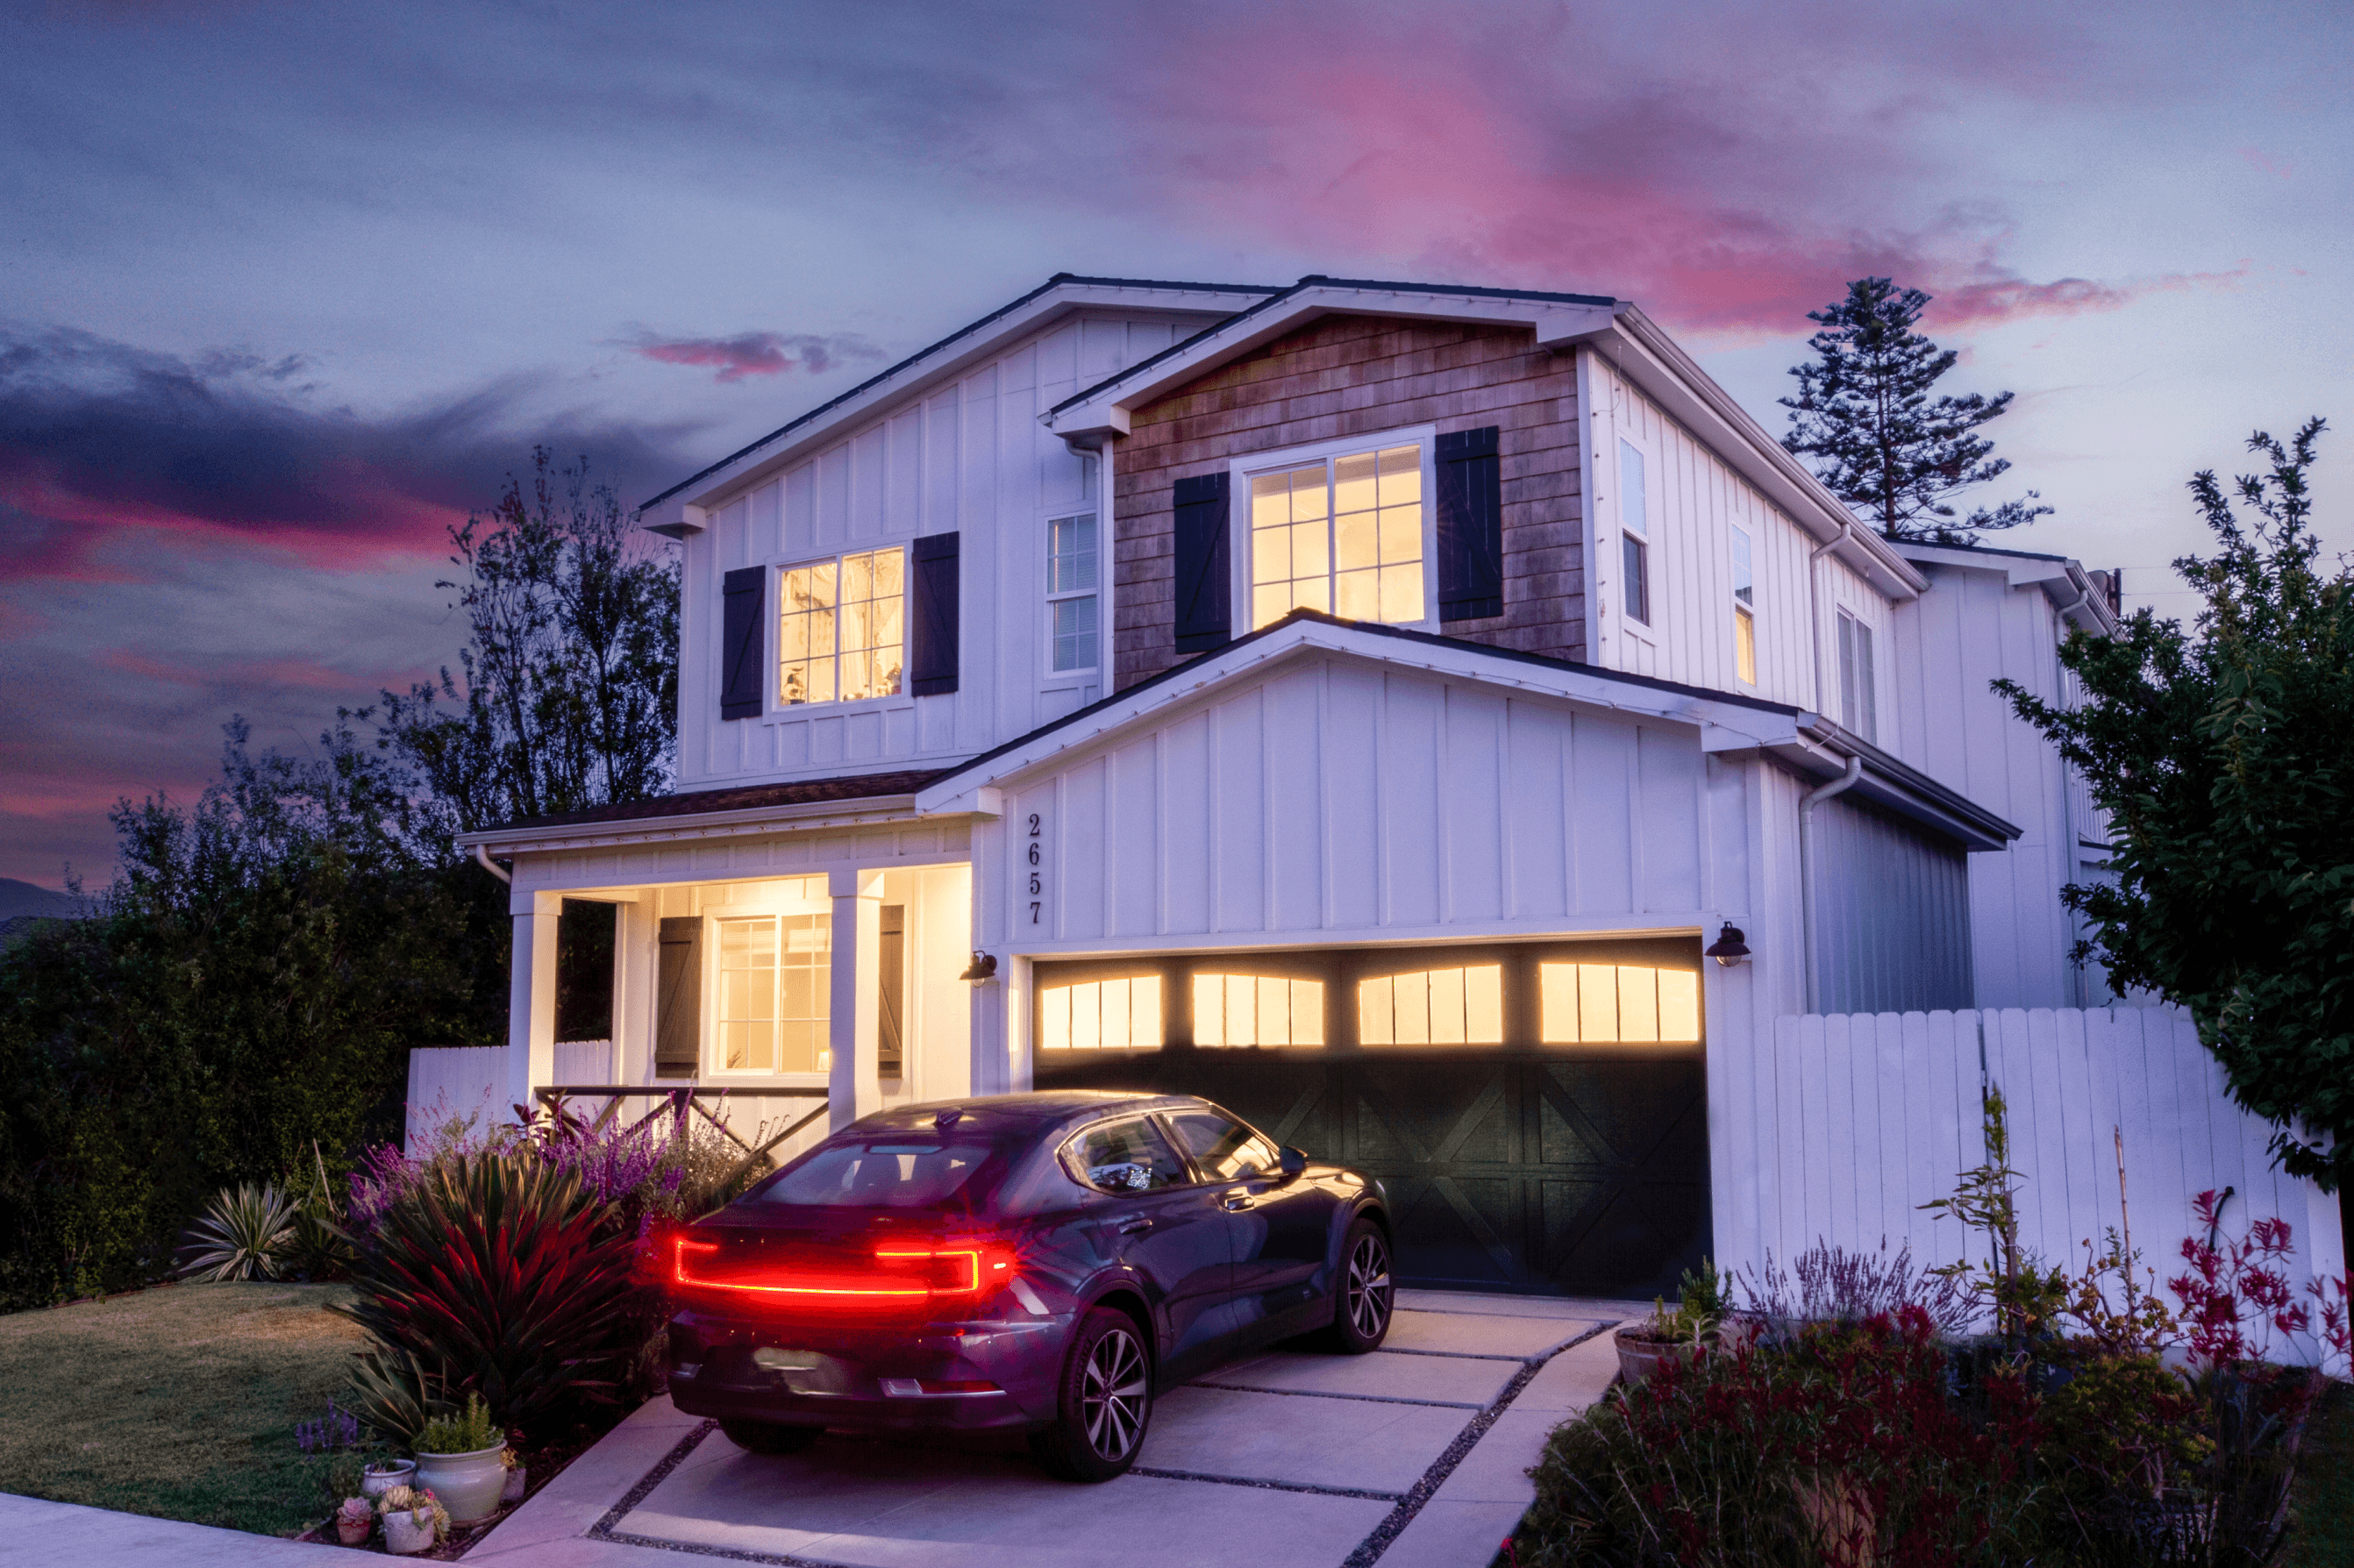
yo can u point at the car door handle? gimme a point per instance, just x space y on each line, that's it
1235 1201
1135 1224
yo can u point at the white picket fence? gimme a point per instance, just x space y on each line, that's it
1840 1128
457 1080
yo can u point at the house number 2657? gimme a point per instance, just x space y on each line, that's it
1037 862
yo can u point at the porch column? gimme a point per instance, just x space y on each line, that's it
531 998
853 1029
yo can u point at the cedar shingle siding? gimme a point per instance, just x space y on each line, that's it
1357 375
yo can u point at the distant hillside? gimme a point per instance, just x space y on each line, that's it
19 899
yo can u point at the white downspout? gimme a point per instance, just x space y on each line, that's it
482 858
1815 604
1806 805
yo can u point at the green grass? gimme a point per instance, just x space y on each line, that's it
177 1402
2324 1496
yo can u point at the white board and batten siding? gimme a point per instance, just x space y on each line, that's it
1332 801
464 1080
1840 1127
968 457
1693 500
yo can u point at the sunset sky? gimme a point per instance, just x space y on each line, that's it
284 291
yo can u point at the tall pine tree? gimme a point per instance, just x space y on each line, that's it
1878 439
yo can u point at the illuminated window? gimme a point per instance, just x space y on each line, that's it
842 633
1635 554
1342 535
1257 1010
1071 590
1101 1015
1596 1004
775 978
1433 1007
1744 610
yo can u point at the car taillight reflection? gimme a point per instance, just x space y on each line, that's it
900 1273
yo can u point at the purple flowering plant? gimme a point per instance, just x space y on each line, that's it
332 1433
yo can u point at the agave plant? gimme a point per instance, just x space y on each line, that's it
245 1235
494 1272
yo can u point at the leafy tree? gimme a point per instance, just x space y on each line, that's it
2221 758
1881 443
569 690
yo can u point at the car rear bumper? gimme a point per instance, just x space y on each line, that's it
860 1377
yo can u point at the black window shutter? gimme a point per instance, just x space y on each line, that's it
1205 566
1470 525
739 643
932 659
678 1000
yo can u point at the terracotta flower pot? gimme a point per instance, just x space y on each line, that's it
468 1484
355 1531
1639 1357
403 1536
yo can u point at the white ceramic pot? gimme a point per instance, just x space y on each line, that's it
403 1536
468 1484
516 1486
386 1474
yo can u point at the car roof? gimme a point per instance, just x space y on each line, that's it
1034 1113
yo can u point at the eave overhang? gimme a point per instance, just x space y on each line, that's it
680 511
2080 601
1615 329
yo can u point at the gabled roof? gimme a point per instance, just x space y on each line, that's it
1806 742
1634 346
1058 295
2064 581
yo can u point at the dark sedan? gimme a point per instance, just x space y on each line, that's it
1037 1263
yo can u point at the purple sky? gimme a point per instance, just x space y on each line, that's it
285 290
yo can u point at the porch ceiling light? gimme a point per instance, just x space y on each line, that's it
982 970
1729 948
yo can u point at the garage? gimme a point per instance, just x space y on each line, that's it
1537 1110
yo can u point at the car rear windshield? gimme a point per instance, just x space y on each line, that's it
882 1173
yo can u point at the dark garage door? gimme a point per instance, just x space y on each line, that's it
1576 1168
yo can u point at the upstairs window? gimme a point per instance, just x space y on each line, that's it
1744 610
1635 551
1858 711
1342 534
1071 593
841 629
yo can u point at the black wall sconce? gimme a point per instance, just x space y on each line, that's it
1729 948
982 970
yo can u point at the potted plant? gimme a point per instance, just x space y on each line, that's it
380 1476
515 1484
355 1517
413 1518
1687 1328
462 1458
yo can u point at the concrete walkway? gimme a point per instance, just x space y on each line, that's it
1414 1457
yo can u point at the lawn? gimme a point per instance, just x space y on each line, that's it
2325 1487
179 1403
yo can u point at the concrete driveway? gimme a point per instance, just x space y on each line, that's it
1412 1457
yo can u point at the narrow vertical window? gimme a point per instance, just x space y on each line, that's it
1859 710
841 629
1635 552
1071 594
1744 610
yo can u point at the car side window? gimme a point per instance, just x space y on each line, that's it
1224 1148
1127 1157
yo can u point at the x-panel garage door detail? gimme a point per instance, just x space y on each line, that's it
1577 1168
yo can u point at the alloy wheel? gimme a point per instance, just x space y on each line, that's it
1113 1391
1369 1286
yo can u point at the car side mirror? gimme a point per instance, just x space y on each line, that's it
1292 1162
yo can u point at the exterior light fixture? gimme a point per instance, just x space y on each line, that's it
981 970
1729 948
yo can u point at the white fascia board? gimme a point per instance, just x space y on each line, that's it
1636 348
951 361
702 826
963 792
1556 325
2062 580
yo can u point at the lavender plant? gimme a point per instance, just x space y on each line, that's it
1827 1284
335 1431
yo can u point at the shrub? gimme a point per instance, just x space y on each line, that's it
495 1273
1826 1284
468 1432
246 1234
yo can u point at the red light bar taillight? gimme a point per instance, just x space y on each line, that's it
902 1274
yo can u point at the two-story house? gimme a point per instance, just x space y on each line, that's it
1437 723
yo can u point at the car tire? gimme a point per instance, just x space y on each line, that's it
1364 1296
1104 1403
770 1436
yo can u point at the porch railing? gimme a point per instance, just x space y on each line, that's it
677 1102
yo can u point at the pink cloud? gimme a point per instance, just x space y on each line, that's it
756 352
2264 164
